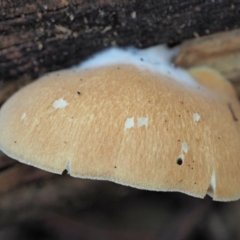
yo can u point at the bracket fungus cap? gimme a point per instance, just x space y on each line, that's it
135 122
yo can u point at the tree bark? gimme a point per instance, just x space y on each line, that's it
42 36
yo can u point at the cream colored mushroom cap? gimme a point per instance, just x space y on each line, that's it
131 126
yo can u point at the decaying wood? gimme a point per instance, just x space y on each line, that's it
220 51
41 36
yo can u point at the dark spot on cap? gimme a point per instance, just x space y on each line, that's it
179 161
78 93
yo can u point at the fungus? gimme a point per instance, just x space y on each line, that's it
114 125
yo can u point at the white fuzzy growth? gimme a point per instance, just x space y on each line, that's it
143 121
60 103
213 181
24 115
129 123
157 59
184 147
196 117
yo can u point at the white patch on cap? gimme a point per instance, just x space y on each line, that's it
129 123
142 121
60 104
23 116
196 117
213 181
184 147
68 165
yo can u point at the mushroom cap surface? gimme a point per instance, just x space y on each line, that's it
128 125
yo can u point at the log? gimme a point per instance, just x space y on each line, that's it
39 37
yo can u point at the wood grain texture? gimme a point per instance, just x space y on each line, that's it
42 36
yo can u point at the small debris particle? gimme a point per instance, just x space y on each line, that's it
78 93
106 29
142 121
232 112
133 15
40 46
184 147
63 29
196 117
196 35
23 116
71 16
60 103
115 166
129 123
15 141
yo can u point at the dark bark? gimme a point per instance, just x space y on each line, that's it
41 36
